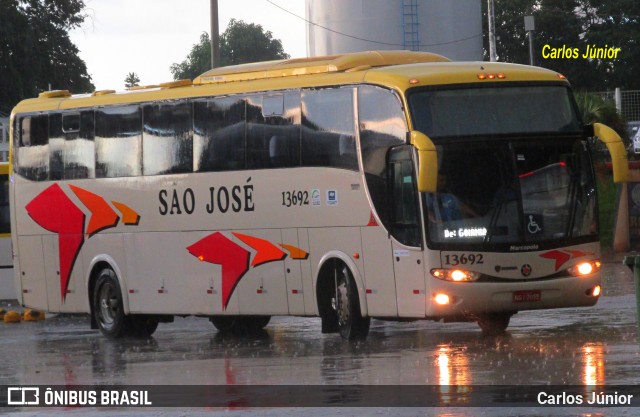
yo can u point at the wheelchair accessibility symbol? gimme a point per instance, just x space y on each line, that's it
533 227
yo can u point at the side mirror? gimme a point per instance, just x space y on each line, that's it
616 149
427 162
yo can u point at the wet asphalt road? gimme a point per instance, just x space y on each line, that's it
591 346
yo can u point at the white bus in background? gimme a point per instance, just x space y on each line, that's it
394 185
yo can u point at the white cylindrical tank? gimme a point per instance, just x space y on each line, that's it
452 28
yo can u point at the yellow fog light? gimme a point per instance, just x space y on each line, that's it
442 299
595 291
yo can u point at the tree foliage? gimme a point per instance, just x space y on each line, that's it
594 108
240 43
574 24
35 49
132 80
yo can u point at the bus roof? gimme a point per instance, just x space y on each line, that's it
399 70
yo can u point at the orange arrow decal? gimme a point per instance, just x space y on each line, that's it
265 250
130 217
295 253
102 215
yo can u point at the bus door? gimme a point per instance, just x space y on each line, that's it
407 236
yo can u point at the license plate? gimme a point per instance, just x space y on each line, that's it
527 296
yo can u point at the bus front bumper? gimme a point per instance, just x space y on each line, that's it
468 299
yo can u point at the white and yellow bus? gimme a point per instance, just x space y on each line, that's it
393 185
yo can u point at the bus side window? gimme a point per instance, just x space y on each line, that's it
405 225
257 142
33 147
328 128
382 126
167 139
79 149
118 142
273 135
219 134
56 147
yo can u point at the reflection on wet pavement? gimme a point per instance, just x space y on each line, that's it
590 346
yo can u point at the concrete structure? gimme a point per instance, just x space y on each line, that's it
449 28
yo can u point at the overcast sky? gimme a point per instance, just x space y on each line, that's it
147 36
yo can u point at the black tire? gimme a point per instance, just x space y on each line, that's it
107 305
494 324
142 326
351 324
224 324
255 322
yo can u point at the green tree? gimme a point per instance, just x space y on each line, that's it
240 43
35 49
198 61
132 80
574 24
617 23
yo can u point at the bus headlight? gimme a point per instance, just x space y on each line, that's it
585 268
455 275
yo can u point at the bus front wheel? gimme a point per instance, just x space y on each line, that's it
351 324
494 324
107 305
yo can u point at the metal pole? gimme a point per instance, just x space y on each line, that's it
215 35
531 57
618 98
529 27
492 35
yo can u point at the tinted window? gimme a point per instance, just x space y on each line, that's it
71 122
382 126
219 134
273 139
494 110
79 151
273 105
167 139
32 156
118 141
328 131
56 147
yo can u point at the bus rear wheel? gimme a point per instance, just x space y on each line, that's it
351 324
494 324
107 305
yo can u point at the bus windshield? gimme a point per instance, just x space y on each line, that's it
456 112
509 192
521 179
